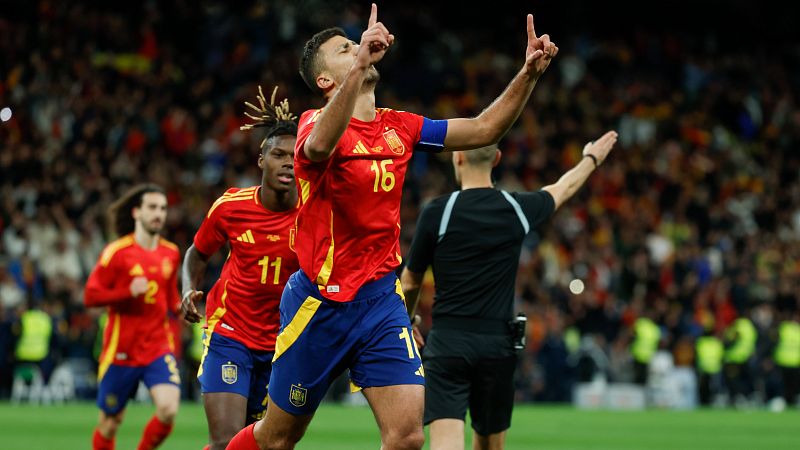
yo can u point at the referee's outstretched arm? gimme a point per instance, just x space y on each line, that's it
594 153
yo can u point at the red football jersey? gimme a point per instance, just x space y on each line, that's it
138 329
243 304
349 225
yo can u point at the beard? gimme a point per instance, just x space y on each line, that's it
153 228
372 75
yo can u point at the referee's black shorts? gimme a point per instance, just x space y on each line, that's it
486 386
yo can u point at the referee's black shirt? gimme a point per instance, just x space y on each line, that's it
475 263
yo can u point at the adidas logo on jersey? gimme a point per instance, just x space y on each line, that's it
360 149
136 271
247 236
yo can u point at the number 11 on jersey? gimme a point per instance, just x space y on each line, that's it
265 265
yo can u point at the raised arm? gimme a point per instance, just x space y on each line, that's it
192 272
594 153
491 124
336 115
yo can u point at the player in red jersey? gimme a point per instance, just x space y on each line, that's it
344 308
136 278
242 308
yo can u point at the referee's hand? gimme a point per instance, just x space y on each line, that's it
416 333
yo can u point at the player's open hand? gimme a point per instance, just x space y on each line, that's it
601 147
138 286
539 52
188 308
374 41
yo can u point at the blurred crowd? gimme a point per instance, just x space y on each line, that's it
693 222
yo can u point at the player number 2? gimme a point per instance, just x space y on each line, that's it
265 265
382 175
152 290
411 346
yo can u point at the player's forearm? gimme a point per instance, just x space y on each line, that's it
495 121
335 117
411 284
194 269
94 296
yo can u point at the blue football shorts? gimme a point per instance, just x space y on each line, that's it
119 383
229 366
320 338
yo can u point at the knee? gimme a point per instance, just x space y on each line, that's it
280 444
411 440
109 425
166 412
220 440
270 440
277 442
218 444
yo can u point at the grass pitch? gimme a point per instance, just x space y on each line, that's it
353 428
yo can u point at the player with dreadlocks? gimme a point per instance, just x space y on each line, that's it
242 318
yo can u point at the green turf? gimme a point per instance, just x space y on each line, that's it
353 428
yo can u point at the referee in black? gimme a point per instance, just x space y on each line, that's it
473 238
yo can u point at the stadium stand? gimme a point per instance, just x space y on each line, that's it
696 218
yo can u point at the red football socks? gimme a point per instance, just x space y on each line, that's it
154 434
244 440
100 442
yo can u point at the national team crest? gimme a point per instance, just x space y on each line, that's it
111 401
166 268
297 396
395 144
230 373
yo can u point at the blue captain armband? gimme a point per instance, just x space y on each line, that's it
431 138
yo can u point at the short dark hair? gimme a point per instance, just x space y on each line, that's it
119 213
310 65
282 128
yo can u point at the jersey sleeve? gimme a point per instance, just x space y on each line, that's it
100 290
306 125
211 234
304 128
537 206
428 134
420 255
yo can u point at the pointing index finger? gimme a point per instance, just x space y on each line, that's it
373 16
531 31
